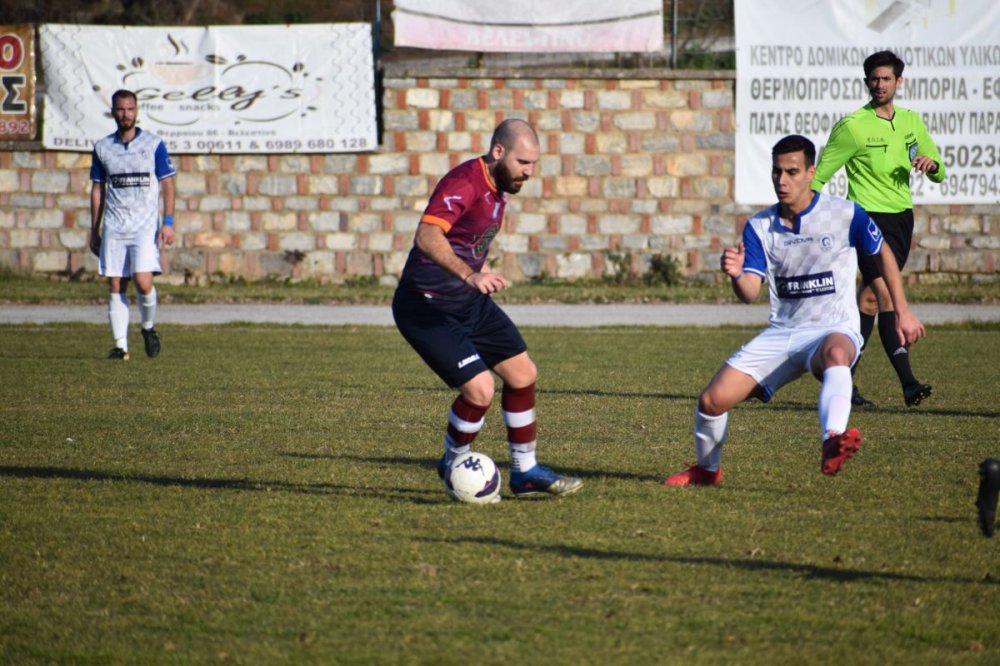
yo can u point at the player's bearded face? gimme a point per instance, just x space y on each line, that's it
124 112
515 166
505 178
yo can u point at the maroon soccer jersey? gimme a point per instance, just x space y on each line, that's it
467 206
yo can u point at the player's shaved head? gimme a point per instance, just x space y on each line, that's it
509 131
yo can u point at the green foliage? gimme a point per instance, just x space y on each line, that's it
695 59
361 281
266 494
664 269
620 264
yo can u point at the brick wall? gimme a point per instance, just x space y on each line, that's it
635 163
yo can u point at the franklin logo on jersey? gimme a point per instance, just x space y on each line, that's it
130 180
806 286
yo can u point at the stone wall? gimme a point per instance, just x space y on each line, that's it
635 164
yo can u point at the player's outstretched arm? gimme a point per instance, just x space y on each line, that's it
908 327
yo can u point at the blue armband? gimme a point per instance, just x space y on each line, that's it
168 220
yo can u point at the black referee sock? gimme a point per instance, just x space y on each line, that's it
897 353
867 326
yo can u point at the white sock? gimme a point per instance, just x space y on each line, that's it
118 316
835 400
522 456
710 433
452 451
147 308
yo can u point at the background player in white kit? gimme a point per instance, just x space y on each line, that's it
806 247
130 168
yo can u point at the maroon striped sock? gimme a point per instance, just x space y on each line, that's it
518 405
465 420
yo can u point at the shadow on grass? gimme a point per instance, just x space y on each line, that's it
807 571
947 519
793 406
594 393
431 464
414 495
777 404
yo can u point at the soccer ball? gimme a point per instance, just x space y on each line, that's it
474 478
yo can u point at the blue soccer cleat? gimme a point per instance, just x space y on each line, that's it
539 480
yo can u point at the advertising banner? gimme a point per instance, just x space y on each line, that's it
529 25
232 89
799 70
17 82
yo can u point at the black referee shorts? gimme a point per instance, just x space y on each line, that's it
897 231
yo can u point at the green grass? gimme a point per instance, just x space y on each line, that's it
266 494
18 288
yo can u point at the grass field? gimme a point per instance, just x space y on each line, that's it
266 494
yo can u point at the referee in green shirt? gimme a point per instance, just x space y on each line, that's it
879 144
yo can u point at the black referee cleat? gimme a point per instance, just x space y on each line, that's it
913 394
152 341
859 400
986 500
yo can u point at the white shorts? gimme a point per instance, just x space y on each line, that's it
777 356
122 257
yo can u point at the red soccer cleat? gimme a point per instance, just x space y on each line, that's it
695 476
838 448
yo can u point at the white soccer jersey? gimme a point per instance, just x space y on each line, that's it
132 172
810 269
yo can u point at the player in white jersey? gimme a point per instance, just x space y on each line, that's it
130 169
806 247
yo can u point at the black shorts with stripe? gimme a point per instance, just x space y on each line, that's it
457 340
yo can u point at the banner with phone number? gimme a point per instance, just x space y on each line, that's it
220 89
17 82
799 70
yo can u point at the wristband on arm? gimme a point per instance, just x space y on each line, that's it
168 220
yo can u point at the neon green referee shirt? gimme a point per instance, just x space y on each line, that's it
877 154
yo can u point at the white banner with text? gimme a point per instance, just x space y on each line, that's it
232 89
799 70
529 25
